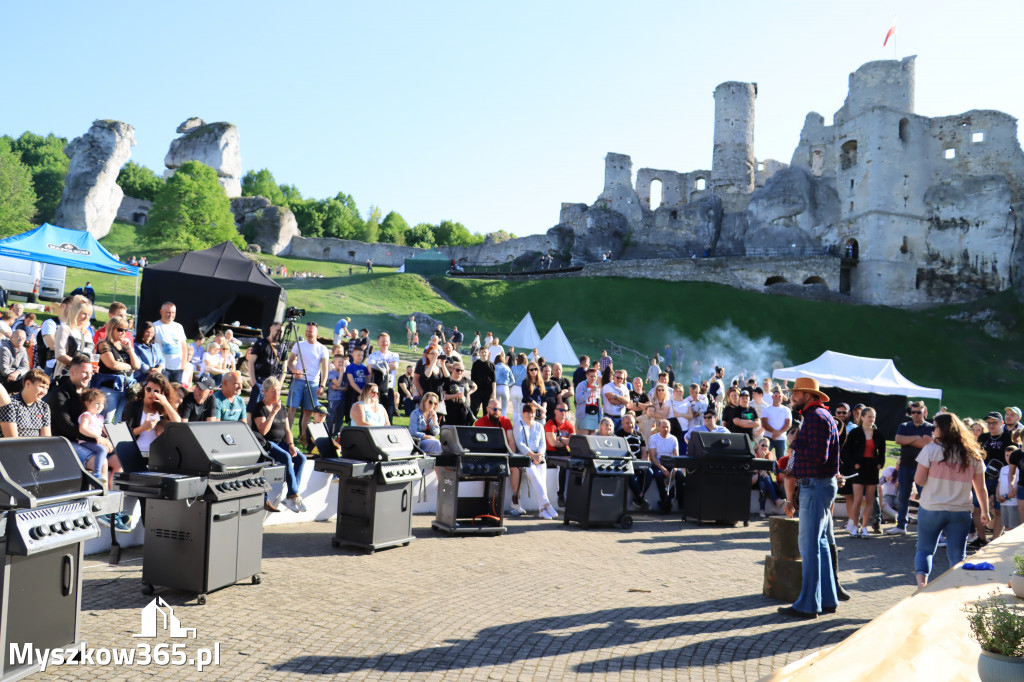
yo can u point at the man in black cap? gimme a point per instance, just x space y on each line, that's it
993 446
745 419
198 405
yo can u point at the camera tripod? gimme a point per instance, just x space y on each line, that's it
289 334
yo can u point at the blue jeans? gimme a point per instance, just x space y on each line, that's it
173 375
906 480
779 448
660 482
819 588
87 450
929 524
115 405
768 491
292 466
639 483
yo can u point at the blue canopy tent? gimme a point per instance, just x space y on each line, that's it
70 248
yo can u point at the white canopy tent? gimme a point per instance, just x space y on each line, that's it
555 347
854 373
524 335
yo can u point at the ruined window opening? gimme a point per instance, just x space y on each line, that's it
700 184
851 250
815 280
817 163
844 280
655 197
905 247
950 153
978 137
327 252
848 155
904 132
674 215
851 206
851 183
760 168
775 279
351 254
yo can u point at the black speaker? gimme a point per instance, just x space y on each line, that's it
707 444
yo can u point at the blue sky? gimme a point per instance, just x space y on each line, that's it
490 114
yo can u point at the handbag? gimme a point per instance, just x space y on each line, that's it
114 382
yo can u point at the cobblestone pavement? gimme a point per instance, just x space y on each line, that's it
664 600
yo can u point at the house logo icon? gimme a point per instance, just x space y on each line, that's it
158 616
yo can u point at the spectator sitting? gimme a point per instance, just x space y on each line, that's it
198 405
762 480
663 445
117 364
25 414
270 422
6 324
557 431
73 336
14 362
149 354
530 441
368 411
423 424
142 416
116 309
213 363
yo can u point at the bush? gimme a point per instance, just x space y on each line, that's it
191 212
997 626
139 182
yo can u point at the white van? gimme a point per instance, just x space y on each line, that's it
21 277
51 286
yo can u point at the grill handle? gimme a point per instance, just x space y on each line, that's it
225 516
405 499
251 510
67 575
66 497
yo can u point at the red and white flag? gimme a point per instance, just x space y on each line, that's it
890 33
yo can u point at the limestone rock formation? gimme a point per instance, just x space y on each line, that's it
91 195
216 145
270 227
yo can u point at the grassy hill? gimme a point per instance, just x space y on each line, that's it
939 347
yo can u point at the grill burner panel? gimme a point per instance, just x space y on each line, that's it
37 530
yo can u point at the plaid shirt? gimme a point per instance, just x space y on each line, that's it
816 448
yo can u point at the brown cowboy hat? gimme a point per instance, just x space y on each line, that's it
807 385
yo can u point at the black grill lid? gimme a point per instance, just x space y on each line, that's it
473 440
34 469
603 447
376 443
707 444
205 447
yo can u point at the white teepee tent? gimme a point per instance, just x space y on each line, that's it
555 347
524 335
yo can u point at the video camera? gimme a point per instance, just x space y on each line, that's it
292 313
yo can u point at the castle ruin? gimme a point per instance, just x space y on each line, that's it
912 209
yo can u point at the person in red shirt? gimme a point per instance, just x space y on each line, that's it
116 309
492 418
556 433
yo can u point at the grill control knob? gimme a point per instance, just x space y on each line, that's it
37 532
65 525
55 528
86 521
235 485
77 523
263 480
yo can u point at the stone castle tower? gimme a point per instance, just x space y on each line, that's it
732 159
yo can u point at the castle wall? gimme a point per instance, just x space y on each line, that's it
732 159
392 255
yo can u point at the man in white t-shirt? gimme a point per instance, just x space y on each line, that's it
171 337
307 362
385 361
776 420
695 406
616 397
659 445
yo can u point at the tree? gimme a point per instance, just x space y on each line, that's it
371 228
309 215
393 229
422 235
261 183
290 192
191 211
17 197
139 182
48 164
341 218
451 233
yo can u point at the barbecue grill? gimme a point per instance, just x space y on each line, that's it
204 506
376 471
473 454
48 508
719 466
599 471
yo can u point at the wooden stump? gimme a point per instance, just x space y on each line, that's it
784 536
782 568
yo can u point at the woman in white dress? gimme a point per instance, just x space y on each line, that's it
530 441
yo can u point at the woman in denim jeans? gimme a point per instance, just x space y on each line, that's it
947 469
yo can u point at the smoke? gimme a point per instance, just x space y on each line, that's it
729 347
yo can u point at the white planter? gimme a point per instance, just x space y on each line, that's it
1017 585
998 668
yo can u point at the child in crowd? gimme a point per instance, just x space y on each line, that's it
335 393
415 340
890 490
647 422
90 425
318 417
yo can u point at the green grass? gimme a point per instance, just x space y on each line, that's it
976 372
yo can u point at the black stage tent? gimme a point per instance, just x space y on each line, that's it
212 286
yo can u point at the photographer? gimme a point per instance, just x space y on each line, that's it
307 363
263 360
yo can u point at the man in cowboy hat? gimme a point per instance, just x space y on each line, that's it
815 463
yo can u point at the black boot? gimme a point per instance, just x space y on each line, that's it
842 594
